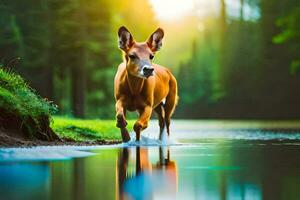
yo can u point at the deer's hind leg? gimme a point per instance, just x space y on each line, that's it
160 111
171 102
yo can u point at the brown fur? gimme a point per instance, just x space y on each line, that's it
143 94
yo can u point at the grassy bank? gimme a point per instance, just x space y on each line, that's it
23 113
87 130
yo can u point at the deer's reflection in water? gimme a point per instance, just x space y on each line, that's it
138 178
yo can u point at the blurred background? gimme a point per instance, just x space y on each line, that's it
232 58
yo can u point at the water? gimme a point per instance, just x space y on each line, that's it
203 160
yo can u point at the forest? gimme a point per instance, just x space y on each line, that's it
239 59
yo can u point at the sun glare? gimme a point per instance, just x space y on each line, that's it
171 9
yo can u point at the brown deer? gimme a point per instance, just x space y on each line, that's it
143 86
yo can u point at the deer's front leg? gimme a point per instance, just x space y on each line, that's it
142 122
121 120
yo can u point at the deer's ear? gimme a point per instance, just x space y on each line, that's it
155 40
125 38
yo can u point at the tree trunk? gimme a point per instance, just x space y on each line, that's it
48 51
78 70
242 10
78 90
222 50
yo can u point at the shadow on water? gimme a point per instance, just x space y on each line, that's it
230 170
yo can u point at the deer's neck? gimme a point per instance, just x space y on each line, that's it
136 84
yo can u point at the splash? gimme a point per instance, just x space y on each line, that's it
150 139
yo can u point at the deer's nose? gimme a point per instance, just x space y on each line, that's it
148 70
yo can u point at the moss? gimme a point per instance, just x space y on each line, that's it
82 130
19 101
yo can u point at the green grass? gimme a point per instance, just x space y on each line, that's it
19 100
87 129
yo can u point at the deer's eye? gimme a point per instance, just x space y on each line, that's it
151 57
132 56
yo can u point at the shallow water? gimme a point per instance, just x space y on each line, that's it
201 161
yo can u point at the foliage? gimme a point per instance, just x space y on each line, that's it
235 71
83 130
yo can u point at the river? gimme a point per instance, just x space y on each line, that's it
201 160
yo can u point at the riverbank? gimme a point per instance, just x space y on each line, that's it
80 132
7 141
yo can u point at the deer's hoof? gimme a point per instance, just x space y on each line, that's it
125 135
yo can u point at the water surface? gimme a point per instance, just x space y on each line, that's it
202 161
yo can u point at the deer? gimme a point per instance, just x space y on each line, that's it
143 86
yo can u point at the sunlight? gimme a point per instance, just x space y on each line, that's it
170 9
